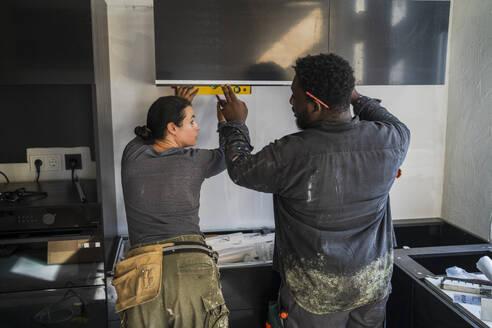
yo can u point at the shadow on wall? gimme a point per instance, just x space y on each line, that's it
268 71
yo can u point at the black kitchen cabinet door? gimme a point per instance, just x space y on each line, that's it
46 42
391 42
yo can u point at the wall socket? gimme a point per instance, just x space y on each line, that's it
73 157
50 162
55 164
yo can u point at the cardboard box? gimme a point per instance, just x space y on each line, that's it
74 251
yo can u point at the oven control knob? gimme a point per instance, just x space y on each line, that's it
48 218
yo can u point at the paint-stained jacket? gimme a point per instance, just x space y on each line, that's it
330 184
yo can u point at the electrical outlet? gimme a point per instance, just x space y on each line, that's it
50 162
73 157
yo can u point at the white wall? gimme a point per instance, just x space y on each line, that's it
467 197
417 194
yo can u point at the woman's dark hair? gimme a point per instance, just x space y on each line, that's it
163 111
327 76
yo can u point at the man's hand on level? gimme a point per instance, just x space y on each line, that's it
232 108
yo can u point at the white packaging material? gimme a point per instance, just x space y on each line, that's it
457 272
486 311
485 266
225 241
243 247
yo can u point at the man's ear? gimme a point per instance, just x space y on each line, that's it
171 128
315 106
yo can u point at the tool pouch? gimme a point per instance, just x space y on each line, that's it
138 278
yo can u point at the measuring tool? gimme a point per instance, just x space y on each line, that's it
217 90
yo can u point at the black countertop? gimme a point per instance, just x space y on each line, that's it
60 193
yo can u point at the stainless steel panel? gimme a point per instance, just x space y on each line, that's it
391 41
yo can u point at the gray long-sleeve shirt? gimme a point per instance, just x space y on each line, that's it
330 185
162 189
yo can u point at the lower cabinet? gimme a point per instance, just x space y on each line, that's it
415 304
247 291
248 287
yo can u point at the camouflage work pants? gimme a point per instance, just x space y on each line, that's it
190 294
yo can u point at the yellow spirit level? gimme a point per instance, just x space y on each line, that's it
217 90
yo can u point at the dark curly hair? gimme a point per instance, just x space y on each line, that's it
327 76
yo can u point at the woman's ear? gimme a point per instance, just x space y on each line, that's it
171 128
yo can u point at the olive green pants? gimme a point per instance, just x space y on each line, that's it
190 295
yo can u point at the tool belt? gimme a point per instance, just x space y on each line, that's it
138 278
190 246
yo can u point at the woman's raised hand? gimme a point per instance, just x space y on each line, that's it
187 93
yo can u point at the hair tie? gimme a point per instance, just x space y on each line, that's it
147 129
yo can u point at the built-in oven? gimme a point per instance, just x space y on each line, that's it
51 256
61 307
61 261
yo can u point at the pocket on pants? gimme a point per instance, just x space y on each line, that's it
137 279
217 312
194 264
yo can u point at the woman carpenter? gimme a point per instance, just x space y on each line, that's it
169 277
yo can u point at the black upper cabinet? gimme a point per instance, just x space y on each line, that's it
386 41
391 41
206 42
44 115
46 42
46 76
